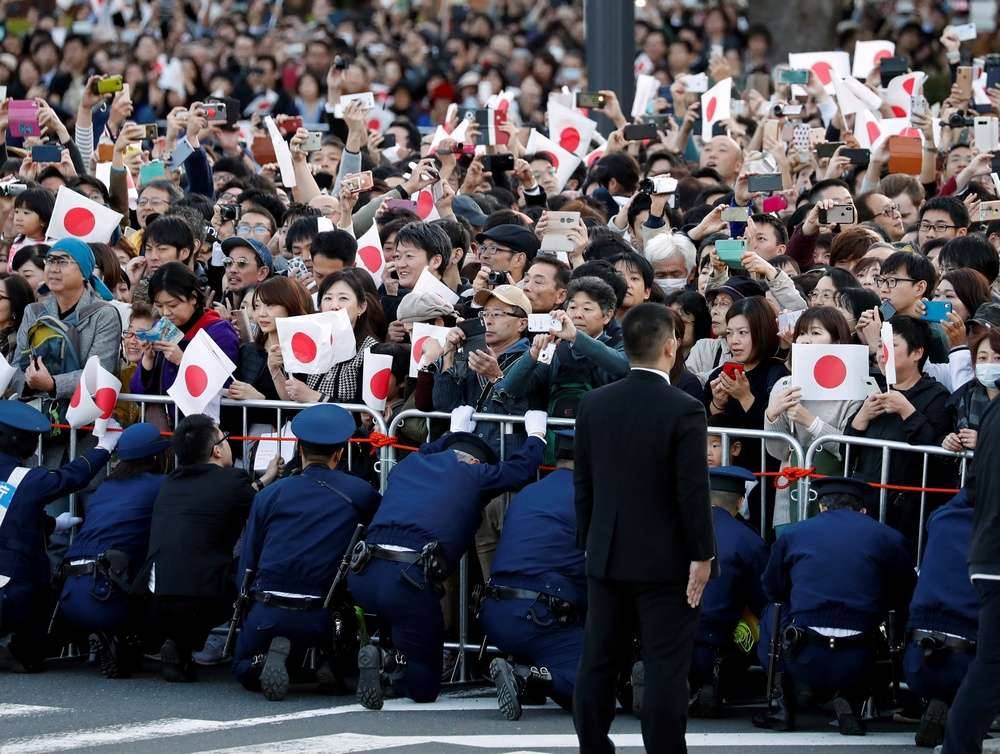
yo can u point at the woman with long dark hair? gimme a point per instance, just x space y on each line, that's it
15 295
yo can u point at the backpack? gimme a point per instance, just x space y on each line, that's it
564 401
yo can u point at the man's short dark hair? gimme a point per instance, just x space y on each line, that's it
917 266
165 185
645 328
956 210
915 333
780 231
170 230
303 229
604 270
458 235
264 200
563 271
972 251
89 180
334 244
432 239
604 244
620 166
198 202
194 438
594 288
232 165
817 188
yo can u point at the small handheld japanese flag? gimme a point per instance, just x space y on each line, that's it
375 385
564 160
426 208
887 357
76 216
830 372
645 91
201 375
827 65
313 343
427 283
282 153
715 106
901 89
369 255
94 398
867 53
570 130
421 332
853 96
871 132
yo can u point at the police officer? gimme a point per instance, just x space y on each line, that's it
943 618
428 516
722 641
25 598
298 531
110 547
837 575
535 600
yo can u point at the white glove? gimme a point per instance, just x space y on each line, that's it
109 441
66 521
461 419
534 423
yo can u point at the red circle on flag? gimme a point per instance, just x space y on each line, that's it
873 131
829 372
594 157
881 54
374 124
371 257
553 157
105 398
885 354
710 108
303 347
79 221
569 139
379 384
909 84
898 111
823 71
196 380
425 203
911 133
418 348
75 400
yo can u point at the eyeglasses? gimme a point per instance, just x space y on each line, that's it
485 252
259 230
825 297
891 211
493 315
937 227
147 202
224 438
57 262
241 264
891 282
128 334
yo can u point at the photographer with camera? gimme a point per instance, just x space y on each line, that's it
506 252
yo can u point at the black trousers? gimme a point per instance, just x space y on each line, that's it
186 620
667 628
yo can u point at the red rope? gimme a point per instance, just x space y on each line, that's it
786 477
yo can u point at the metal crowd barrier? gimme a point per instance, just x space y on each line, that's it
887 447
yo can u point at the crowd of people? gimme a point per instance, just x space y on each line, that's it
252 176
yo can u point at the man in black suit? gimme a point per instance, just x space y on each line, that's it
197 518
645 520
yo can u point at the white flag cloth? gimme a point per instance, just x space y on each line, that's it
871 132
645 91
830 372
7 373
369 255
867 53
569 129
313 343
426 209
853 96
421 332
427 283
375 381
827 65
282 152
201 375
715 106
565 162
76 216
888 355
901 89
95 397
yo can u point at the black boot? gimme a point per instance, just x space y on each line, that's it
370 677
112 656
932 722
176 667
274 676
707 702
509 688
537 684
782 714
847 721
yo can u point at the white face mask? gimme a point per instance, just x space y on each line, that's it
669 285
988 374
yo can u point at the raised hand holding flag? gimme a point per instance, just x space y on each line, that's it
95 397
830 372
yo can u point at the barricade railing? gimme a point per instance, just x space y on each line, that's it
887 447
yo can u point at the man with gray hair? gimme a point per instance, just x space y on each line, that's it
674 258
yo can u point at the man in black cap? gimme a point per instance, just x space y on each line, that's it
837 576
505 248
428 516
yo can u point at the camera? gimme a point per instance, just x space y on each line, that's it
340 63
961 120
645 186
211 235
497 278
229 212
12 189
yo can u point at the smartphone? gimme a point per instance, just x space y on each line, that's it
150 132
886 311
216 112
892 67
46 153
918 106
735 214
589 100
313 142
860 157
640 132
105 152
827 149
730 251
936 311
798 76
775 203
407 204
732 368
986 133
963 79
499 163
965 32
989 211
289 126
995 164
108 85
765 183
839 214
992 68
541 323
358 182
388 140
475 335
263 150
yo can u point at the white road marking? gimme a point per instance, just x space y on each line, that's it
25 710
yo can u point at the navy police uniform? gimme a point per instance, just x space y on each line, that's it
429 514
537 553
25 597
296 536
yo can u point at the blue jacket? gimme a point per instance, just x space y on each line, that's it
300 526
945 599
840 569
537 548
25 528
434 497
118 517
742 558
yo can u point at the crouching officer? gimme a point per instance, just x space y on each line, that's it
25 595
428 516
109 548
838 574
944 617
722 642
533 607
298 531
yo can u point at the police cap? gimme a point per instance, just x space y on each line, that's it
325 424
17 415
474 445
730 479
841 485
141 440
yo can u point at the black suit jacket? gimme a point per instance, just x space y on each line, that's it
197 518
642 495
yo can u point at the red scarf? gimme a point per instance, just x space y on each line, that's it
208 317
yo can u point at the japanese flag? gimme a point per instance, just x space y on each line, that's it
76 216
830 372
426 209
853 96
313 343
427 283
645 90
715 106
901 89
827 65
281 152
201 376
421 332
379 119
867 53
871 132
887 357
375 383
593 157
94 398
369 256
569 129
565 161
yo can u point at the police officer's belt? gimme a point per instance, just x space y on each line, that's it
398 556
288 603
795 636
84 568
931 641
557 605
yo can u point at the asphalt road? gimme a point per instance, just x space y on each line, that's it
71 708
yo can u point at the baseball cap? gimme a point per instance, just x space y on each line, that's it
509 294
987 315
516 237
422 306
466 208
260 250
737 288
